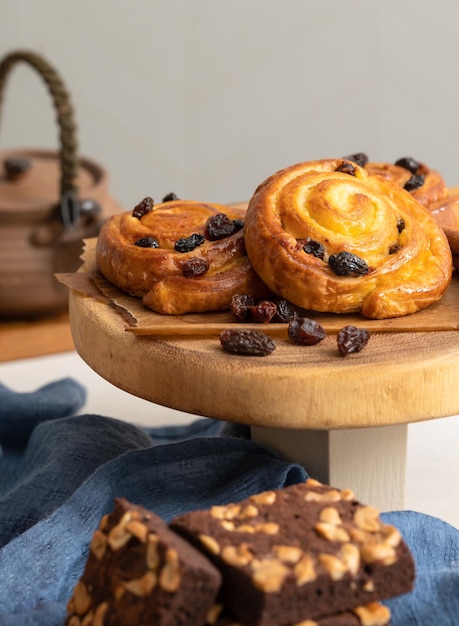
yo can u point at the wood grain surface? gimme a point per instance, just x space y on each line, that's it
398 378
26 339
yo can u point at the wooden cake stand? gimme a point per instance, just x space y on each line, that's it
344 419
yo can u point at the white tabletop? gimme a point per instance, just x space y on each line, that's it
432 464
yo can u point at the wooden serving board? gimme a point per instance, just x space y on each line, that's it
398 378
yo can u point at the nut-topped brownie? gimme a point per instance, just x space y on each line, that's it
140 572
299 553
373 614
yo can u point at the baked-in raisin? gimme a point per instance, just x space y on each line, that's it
352 339
284 312
186 244
246 342
305 331
238 224
170 197
400 225
240 306
219 226
359 157
347 264
195 267
409 164
394 248
314 247
346 168
147 242
263 312
144 207
414 182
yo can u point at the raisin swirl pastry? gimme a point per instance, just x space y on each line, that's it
179 256
424 184
328 236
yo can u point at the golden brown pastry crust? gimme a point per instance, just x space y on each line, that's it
360 214
432 190
446 213
156 275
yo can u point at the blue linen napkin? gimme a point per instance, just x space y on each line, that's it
60 472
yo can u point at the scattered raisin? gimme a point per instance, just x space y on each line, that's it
263 312
284 312
400 225
409 164
359 157
246 342
219 226
170 197
346 168
195 267
314 247
305 331
186 244
347 264
144 207
240 306
147 242
352 339
394 248
416 181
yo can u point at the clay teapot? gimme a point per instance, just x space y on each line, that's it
49 202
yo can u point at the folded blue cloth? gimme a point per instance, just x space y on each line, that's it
60 472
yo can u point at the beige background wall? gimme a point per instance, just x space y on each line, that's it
208 97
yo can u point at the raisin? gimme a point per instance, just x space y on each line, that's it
170 197
263 312
195 267
394 248
238 224
346 168
187 244
352 339
409 164
414 182
305 331
147 242
347 264
240 306
284 312
400 225
219 226
144 207
246 342
359 157
313 247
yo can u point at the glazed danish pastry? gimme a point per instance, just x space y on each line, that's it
424 184
179 256
446 213
328 236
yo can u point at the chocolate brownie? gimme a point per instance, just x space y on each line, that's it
299 553
373 614
140 572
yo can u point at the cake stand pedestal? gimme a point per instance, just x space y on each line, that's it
344 419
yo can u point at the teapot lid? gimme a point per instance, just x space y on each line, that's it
30 183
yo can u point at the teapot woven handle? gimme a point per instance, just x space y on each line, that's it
65 120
